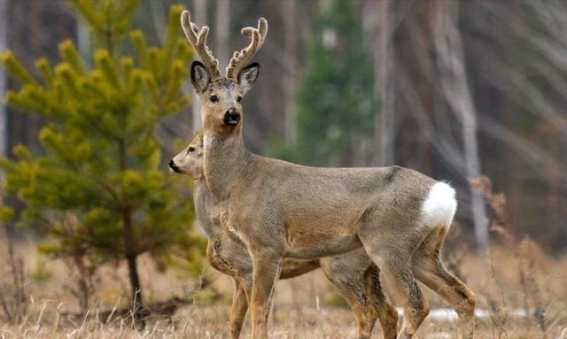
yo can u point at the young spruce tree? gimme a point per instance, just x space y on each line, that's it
100 187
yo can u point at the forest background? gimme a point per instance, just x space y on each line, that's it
471 92
434 71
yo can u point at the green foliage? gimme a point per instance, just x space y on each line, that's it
6 214
191 262
100 187
336 100
336 300
106 19
41 274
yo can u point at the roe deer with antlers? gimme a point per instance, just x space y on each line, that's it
353 273
284 210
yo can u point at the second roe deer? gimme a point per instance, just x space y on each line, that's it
284 210
353 273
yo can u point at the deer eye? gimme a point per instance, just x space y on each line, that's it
238 99
191 149
214 99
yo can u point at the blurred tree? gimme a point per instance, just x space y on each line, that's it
336 102
3 46
518 75
99 188
31 29
454 82
291 60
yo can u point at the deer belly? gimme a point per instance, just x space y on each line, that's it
316 245
314 233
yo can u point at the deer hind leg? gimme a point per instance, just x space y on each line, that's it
429 269
353 293
239 307
393 256
360 286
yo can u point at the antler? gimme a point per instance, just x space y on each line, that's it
198 39
241 59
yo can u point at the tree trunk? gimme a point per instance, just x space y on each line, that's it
450 56
131 254
130 246
291 38
385 87
222 33
138 302
3 47
199 16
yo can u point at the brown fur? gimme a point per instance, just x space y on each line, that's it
353 273
281 210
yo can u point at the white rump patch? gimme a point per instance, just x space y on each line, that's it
440 206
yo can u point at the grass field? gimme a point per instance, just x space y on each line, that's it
521 292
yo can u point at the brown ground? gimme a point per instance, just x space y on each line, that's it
515 278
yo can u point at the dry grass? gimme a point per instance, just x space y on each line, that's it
511 279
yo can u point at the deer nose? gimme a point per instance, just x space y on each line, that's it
231 117
173 167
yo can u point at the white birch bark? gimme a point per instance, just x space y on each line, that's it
450 59
451 63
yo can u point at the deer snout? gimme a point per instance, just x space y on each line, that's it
231 117
173 167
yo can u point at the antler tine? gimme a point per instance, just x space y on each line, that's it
241 58
198 39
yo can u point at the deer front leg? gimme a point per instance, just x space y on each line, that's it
239 308
267 268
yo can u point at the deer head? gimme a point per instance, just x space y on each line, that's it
220 96
190 160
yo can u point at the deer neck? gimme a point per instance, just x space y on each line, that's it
206 207
225 161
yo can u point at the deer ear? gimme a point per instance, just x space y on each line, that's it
200 76
248 76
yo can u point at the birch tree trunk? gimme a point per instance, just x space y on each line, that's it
222 33
384 75
291 38
454 83
3 82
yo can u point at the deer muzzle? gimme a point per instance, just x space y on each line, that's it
231 117
173 167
